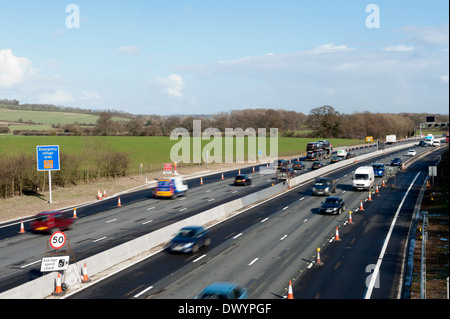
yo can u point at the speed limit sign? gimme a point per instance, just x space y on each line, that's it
57 240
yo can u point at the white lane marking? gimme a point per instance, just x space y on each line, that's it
143 291
264 219
111 220
238 235
283 237
194 261
34 262
210 200
386 242
301 198
148 221
253 261
151 208
183 209
286 208
99 239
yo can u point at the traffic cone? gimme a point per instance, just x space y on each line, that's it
376 189
370 197
74 213
22 229
58 290
253 169
104 193
290 185
85 275
290 293
361 206
383 184
222 176
239 172
118 203
336 237
99 194
318 262
350 220
201 180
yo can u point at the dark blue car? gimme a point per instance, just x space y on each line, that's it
396 162
189 239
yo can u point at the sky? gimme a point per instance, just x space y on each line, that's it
211 56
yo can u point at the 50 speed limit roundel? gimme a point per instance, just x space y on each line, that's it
57 240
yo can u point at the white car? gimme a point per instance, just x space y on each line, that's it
411 153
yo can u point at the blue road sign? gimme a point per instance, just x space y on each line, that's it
47 158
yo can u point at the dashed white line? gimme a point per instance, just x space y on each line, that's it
253 261
183 209
111 220
301 198
35 262
143 291
151 208
99 239
264 219
283 237
286 208
210 200
194 261
148 221
238 235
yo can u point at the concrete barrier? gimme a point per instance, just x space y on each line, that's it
42 287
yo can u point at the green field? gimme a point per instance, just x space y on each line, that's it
47 117
148 150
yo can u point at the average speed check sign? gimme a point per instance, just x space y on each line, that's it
57 240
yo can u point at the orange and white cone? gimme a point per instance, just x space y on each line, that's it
118 202
239 172
104 193
383 184
318 262
376 189
99 194
370 197
75 213
350 220
336 237
201 180
85 275
361 207
222 176
290 293
253 169
22 229
58 290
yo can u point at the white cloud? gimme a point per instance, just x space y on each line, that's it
400 47
129 49
13 70
427 35
171 85
57 97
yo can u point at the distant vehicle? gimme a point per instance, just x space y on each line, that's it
429 139
378 169
317 165
189 239
282 163
286 173
335 159
170 188
298 165
396 162
314 155
324 186
342 153
411 153
436 143
223 290
350 155
243 180
423 143
334 205
391 139
363 178
52 221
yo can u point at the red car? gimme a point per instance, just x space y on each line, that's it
52 221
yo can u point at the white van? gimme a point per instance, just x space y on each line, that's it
363 178
436 143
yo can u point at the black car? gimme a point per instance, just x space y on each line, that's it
242 180
298 165
333 205
316 165
189 239
396 162
335 159
350 155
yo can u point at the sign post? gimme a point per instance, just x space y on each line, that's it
48 160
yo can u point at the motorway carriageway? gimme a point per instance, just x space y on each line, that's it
262 249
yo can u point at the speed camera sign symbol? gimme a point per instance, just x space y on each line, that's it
57 240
